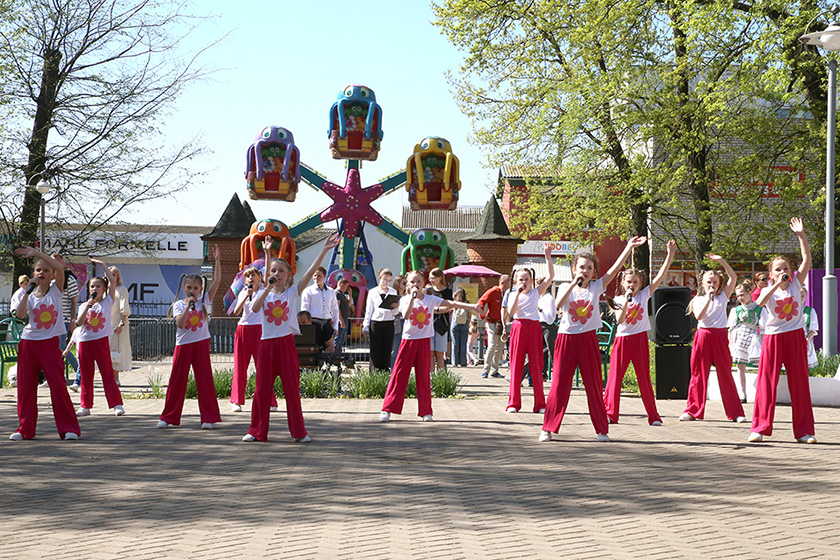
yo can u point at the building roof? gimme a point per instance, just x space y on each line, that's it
234 223
463 218
510 171
492 225
248 211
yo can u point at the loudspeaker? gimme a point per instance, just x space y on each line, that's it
672 371
667 316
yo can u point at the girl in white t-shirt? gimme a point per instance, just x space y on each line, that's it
192 349
94 321
277 355
631 340
784 345
744 337
38 349
418 309
526 334
711 345
577 344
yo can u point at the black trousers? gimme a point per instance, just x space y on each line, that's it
323 331
381 341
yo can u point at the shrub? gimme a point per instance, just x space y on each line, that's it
319 383
445 383
826 367
366 384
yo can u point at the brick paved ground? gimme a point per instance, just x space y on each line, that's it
474 484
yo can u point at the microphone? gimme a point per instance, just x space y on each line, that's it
520 290
93 295
272 280
580 282
250 287
31 288
630 297
785 277
192 305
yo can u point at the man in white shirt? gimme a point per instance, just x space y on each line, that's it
319 300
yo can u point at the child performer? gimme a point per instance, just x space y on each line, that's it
711 345
277 355
417 308
526 335
95 323
38 349
192 348
631 342
784 345
246 340
577 343
812 327
744 340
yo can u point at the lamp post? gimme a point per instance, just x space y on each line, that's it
829 39
43 188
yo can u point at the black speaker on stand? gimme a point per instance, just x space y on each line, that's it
672 334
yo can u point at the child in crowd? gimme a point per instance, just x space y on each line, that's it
192 348
631 341
744 337
38 349
442 320
23 282
277 355
94 347
526 335
784 345
812 327
417 308
471 342
711 345
577 343
760 282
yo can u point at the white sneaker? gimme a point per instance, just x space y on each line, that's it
603 437
686 417
740 420
541 411
807 439
428 418
74 387
206 426
755 437
12 383
384 416
544 436
304 439
82 411
274 409
235 407
43 384
17 436
161 424
71 435
248 437
119 410
656 423
511 409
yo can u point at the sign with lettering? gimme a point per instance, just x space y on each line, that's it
128 245
558 248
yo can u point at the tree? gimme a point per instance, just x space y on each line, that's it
86 92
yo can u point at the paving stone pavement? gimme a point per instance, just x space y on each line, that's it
473 484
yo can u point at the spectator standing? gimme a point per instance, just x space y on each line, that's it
460 330
548 315
346 309
17 297
379 322
399 287
442 322
69 309
490 306
120 340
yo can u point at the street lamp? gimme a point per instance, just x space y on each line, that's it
43 188
829 39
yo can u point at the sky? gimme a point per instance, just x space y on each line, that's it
284 64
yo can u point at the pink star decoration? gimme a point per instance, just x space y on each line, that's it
352 203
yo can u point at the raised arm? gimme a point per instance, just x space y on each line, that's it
112 281
58 268
804 249
732 278
329 243
632 243
671 249
546 284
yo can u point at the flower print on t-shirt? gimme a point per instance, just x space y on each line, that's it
95 321
787 308
277 312
45 316
420 316
635 313
580 311
194 320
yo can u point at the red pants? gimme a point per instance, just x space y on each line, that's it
526 338
711 346
196 355
35 356
98 351
789 349
246 344
570 352
277 356
417 352
626 349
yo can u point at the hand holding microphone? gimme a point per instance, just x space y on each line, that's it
629 295
785 278
32 287
580 282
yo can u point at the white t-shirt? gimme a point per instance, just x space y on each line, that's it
715 317
784 309
45 316
548 308
16 299
97 320
528 305
196 328
278 314
581 313
248 315
636 319
420 322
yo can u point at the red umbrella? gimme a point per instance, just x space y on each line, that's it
474 270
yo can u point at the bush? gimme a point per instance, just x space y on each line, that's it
366 384
826 367
319 383
445 383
